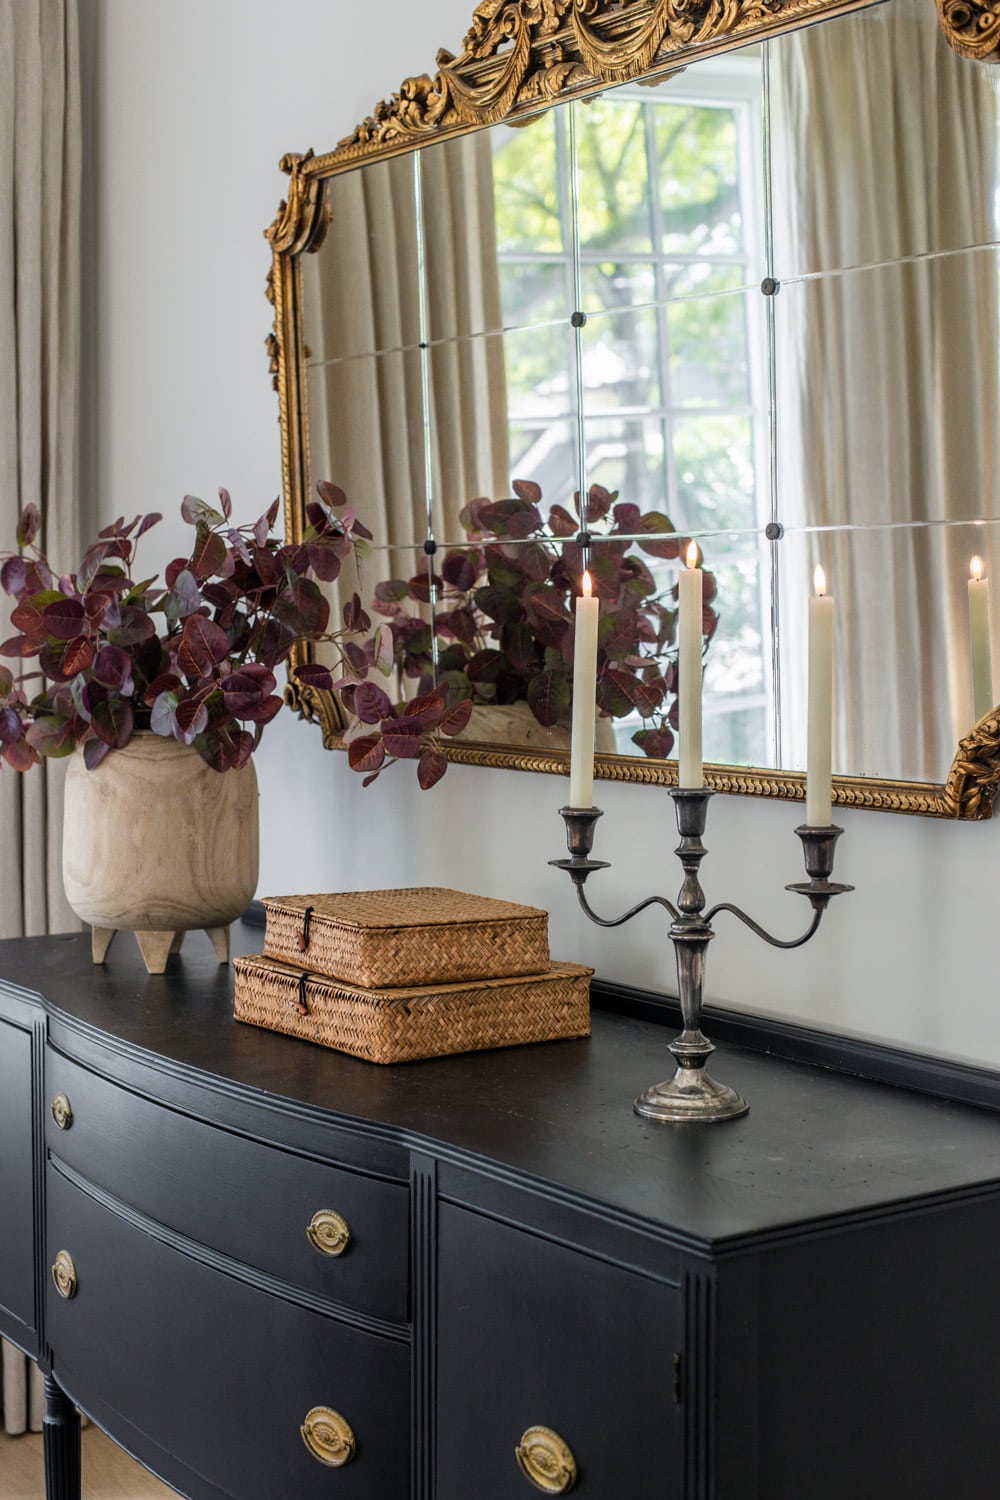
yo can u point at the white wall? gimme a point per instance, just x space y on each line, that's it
193 103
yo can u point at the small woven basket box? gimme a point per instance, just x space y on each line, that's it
399 975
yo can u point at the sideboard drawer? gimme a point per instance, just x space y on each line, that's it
17 1236
327 1229
234 1372
533 1335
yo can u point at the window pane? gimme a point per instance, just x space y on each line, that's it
698 170
613 185
621 365
534 292
526 195
609 285
709 364
546 453
539 369
714 467
627 454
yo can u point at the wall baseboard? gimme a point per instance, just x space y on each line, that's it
958 1082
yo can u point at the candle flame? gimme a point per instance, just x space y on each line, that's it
691 556
587 585
976 567
819 581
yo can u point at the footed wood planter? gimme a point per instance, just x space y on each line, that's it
155 842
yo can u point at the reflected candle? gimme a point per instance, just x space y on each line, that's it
690 772
581 763
819 783
979 635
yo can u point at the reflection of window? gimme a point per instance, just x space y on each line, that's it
661 252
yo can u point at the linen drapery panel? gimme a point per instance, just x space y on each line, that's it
889 405
39 383
372 425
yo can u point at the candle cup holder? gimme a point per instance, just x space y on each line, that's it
692 1094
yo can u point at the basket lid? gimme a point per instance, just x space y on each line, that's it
411 906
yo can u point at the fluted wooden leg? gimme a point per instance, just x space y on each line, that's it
61 1444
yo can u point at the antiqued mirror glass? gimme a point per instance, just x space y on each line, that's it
754 302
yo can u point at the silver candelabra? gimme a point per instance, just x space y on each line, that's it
692 1094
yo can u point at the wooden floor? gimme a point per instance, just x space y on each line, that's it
108 1473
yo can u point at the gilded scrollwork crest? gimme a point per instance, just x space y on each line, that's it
971 786
517 53
972 28
302 217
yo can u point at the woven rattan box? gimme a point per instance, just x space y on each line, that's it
406 1024
415 936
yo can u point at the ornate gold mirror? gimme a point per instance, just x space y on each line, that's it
718 264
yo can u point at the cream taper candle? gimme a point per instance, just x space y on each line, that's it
581 762
979 635
690 774
819 788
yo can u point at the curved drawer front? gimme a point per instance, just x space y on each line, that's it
238 1380
328 1229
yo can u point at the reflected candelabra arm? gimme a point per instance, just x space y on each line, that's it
692 1094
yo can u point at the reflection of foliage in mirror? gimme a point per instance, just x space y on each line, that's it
502 627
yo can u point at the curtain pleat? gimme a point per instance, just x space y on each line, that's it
887 414
40 150
362 293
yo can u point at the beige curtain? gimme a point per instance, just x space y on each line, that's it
468 390
361 295
888 397
39 357
369 429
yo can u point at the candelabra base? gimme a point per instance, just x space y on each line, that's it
692 1094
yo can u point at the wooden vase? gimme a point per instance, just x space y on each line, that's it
155 842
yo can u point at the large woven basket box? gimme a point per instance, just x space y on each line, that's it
420 935
406 1024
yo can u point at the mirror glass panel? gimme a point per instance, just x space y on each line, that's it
759 298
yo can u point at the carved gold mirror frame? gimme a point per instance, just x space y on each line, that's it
517 57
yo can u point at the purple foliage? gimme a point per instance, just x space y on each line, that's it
503 616
192 658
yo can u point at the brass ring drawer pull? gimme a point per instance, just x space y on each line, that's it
329 1232
64 1275
328 1437
61 1111
547 1461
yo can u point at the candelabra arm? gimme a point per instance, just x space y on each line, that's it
632 912
760 931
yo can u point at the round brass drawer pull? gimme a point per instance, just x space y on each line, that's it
547 1461
328 1437
64 1275
329 1232
61 1111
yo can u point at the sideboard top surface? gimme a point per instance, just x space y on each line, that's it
815 1146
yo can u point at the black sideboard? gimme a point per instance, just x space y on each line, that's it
250 1259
